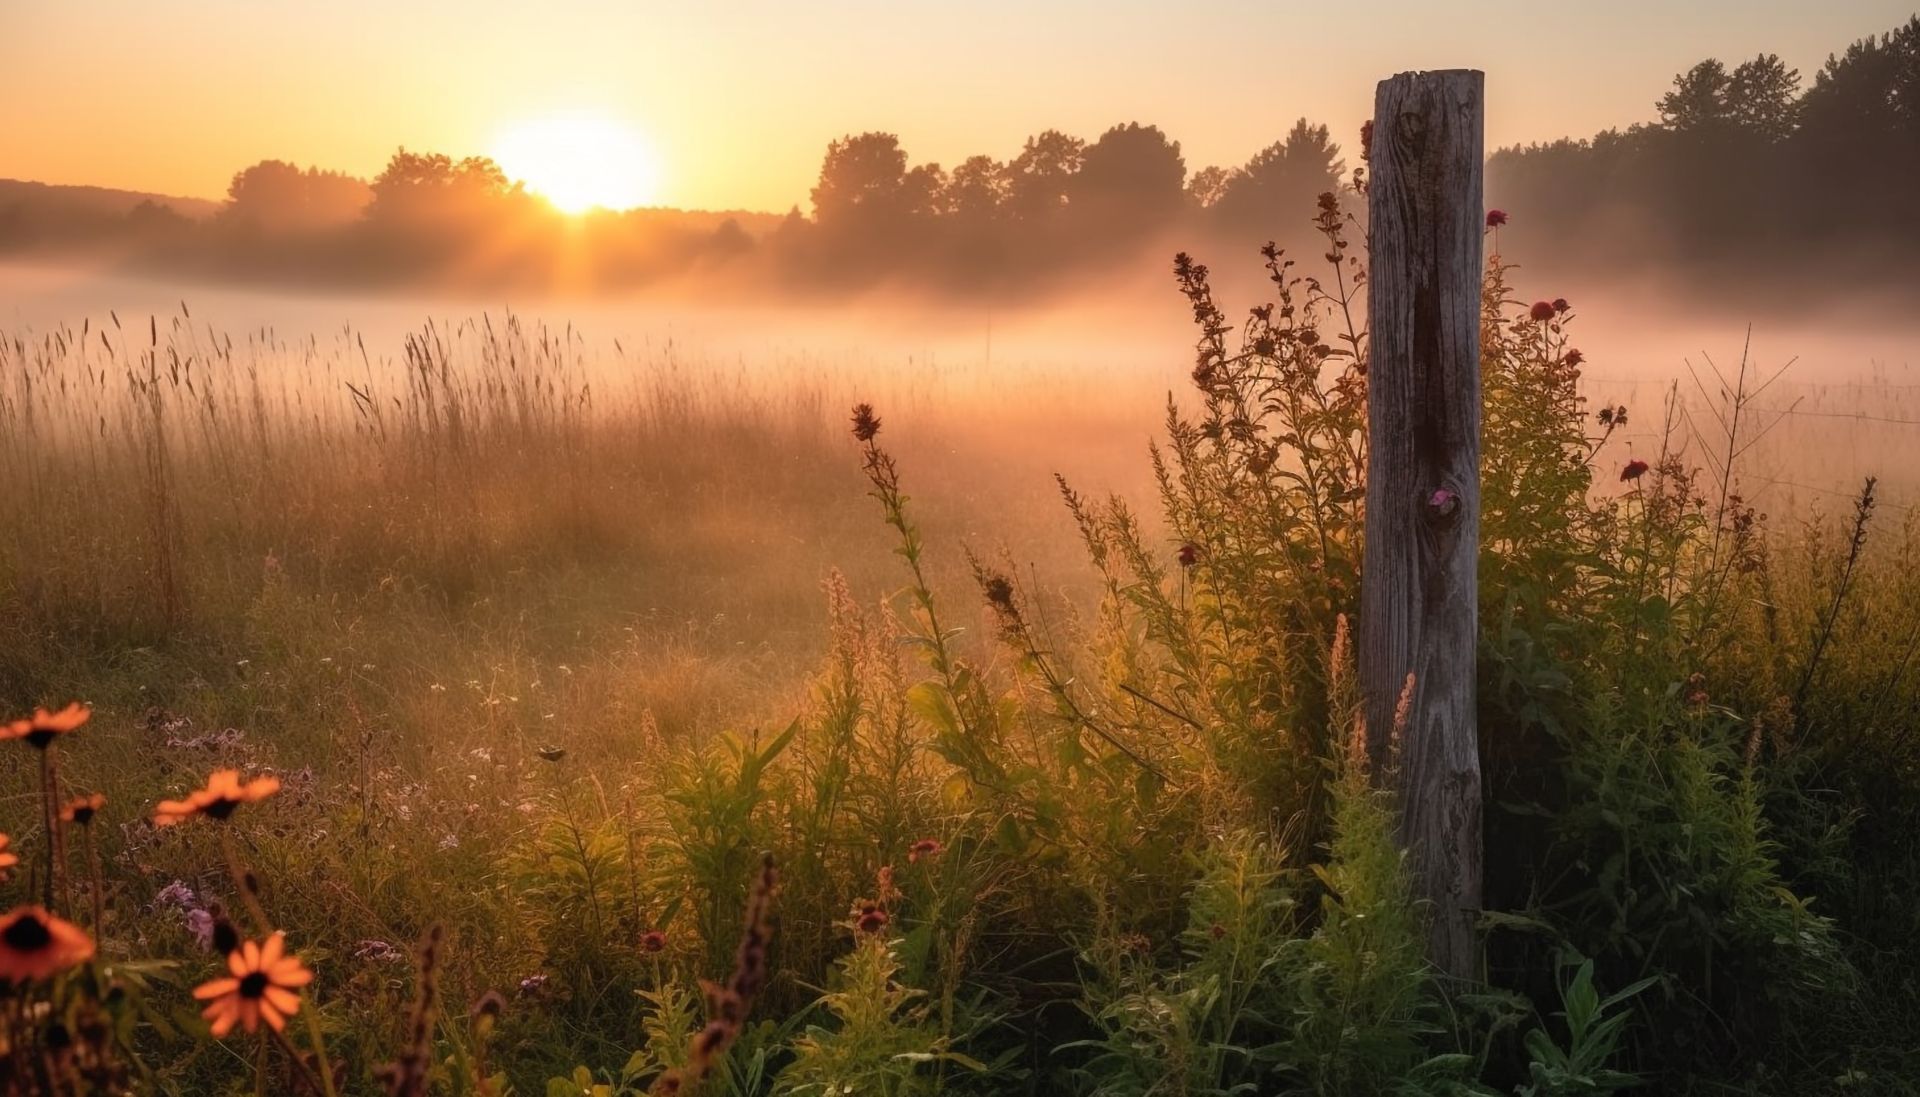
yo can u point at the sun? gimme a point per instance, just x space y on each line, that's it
579 162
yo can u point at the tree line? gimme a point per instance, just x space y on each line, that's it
1747 168
1059 205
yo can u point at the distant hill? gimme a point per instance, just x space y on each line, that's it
55 200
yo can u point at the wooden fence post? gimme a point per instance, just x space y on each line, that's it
1418 604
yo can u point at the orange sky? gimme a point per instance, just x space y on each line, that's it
739 98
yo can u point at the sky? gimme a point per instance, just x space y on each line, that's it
737 99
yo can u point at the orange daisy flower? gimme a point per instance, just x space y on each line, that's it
224 792
8 858
262 983
43 727
37 945
82 809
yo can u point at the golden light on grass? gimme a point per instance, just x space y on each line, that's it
579 162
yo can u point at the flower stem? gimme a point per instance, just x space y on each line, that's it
56 883
99 883
243 883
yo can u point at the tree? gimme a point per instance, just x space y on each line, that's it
1282 180
1872 91
1698 101
279 197
433 187
1132 174
924 191
862 176
977 190
1038 179
1207 185
1762 97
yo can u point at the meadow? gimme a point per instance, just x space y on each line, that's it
627 721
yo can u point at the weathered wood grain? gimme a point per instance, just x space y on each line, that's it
1419 605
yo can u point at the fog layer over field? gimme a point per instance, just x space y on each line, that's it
1078 383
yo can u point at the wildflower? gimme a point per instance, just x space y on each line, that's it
870 917
379 952
1496 218
176 894
1189 554
43 727
38 945
1216 930
490 1004
1606 417
1574 357
82 809
224 792
1635 469
1560 305
925 848
999 592
1542 311
8 858
263 984
865 423
653 941
533 984
200 925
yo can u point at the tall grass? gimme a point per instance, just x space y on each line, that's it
530 642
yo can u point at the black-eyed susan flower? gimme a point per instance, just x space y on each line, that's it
44 726
37 945
224 792
262 983
82 809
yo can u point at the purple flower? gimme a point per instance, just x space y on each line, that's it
200 924
176 894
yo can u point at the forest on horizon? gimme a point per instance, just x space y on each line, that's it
1747 168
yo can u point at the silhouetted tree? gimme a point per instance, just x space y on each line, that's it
1698 101
1038 179
1207 185
1280 181
279 197
863 176
1129 180
1762 97
1874 87
433 187
977 190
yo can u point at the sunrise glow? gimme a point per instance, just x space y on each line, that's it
579 162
